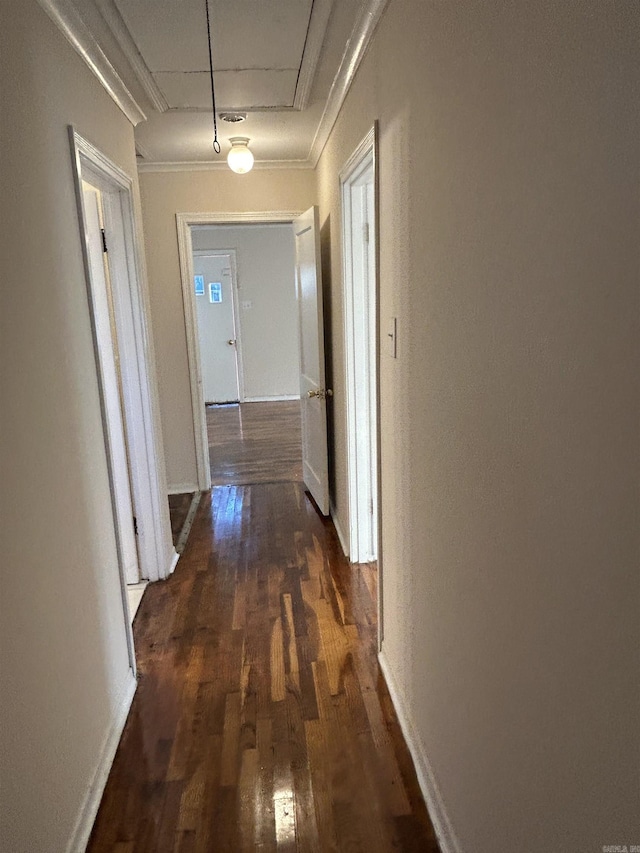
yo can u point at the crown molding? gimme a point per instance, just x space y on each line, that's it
67 18
69 21
320 13
355 50
143 152
120 32
216 165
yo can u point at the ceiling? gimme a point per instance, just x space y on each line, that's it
287 64
259 48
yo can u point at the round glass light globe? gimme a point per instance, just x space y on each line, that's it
240 159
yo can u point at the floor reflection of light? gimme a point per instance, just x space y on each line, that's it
234 508
284 809
226 511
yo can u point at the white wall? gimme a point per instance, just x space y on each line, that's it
163 195
64 659
269 329
509 250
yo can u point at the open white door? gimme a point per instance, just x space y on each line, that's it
313 394
217 335
111 383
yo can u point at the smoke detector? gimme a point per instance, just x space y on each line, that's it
233 118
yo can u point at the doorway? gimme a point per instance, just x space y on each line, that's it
109 240
358 183
258 309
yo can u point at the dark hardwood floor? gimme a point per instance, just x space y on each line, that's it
261 720
255 442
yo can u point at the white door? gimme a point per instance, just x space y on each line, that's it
313 394
112 391
214 289
358 218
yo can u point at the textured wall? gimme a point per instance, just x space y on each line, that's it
509 222
164 195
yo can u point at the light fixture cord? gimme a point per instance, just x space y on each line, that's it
216 144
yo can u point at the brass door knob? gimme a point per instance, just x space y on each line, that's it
231 342
321 393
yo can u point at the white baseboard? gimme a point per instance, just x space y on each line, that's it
336 524
91 804
428 785
182 489
274 399
135 591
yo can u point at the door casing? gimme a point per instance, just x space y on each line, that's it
361 303
140 408
184 221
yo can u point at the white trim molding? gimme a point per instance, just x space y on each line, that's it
68 20
358 292
184 221
355 50
320 13
260 217
143 152
174 562
215 165
183 489
91 804
367 144
120 32
154 542
435 806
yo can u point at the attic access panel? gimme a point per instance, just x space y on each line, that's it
258 49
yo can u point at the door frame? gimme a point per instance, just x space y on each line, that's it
184 221
231 254
364 156
156 554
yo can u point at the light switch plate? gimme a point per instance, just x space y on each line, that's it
392 337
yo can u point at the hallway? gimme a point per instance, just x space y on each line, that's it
261 721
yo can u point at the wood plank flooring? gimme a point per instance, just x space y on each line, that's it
261 721
255 442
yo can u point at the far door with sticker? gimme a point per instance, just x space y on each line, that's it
214 294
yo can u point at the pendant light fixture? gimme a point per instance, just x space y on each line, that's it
240 159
